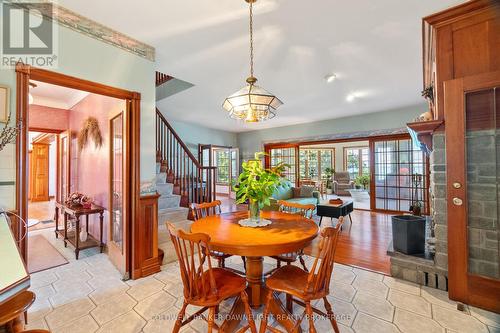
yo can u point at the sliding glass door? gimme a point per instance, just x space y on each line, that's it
357 161
286 155
314 162
400 175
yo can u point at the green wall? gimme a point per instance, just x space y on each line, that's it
252 141
193 134
87 58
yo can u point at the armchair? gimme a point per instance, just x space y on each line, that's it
341 183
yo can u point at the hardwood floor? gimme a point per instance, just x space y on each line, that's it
362 244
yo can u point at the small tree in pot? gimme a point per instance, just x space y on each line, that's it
257 184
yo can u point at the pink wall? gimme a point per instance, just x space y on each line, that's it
93 163
48 118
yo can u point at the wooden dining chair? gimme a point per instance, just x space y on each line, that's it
306 211
205 286
304 287
205 209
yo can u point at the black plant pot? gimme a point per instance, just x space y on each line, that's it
408 234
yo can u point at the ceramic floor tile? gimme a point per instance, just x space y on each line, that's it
362 273
342 276
460 322
409 322
69 312
489 318
410 302
365 323
375 306
130 322
154 305
372 286
142 289
164 322
438 297
406 286
342 291
85 324
344 311
102 295
112 309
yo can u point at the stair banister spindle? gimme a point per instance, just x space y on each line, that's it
191 180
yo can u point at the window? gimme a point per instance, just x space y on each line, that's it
357 161
286 155
314 162
221 157
398 164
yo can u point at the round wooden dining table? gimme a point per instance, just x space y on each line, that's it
287 233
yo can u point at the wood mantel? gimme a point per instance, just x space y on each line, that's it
425 130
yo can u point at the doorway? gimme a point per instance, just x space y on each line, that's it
67 167
226 161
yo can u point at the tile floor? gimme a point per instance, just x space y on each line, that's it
88 295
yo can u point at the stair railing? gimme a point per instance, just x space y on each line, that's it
196 183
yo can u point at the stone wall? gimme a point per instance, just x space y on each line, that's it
438 200
482 202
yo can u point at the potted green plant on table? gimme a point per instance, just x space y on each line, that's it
256 185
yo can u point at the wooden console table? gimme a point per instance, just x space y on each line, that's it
73 236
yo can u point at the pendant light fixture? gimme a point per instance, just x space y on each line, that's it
252 103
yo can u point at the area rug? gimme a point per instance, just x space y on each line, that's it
42 255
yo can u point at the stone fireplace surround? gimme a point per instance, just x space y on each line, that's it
432 272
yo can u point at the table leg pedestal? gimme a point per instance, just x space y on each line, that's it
254 274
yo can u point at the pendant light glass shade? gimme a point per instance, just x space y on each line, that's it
251 103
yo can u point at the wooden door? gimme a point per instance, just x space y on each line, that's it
119 190
63 166
40 172
472 113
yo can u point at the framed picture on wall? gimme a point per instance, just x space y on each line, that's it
4 103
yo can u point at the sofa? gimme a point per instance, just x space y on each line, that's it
286 192
342 183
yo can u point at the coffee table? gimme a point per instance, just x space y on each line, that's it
334 211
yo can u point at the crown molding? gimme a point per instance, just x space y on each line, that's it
93 29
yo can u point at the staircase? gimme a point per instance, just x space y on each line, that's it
180 181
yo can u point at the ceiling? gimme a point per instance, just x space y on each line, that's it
54 96
374 48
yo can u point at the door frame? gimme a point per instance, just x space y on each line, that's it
463 286
25 73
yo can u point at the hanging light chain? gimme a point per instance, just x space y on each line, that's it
251 38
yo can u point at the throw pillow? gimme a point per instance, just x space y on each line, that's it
306 191
296 192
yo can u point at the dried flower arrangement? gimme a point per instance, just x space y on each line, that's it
90 130
8 134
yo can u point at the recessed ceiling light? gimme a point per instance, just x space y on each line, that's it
330 78
353 96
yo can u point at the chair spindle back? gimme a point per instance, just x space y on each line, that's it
206 209
296 208
193 252
320 274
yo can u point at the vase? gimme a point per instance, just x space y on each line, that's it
254 210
